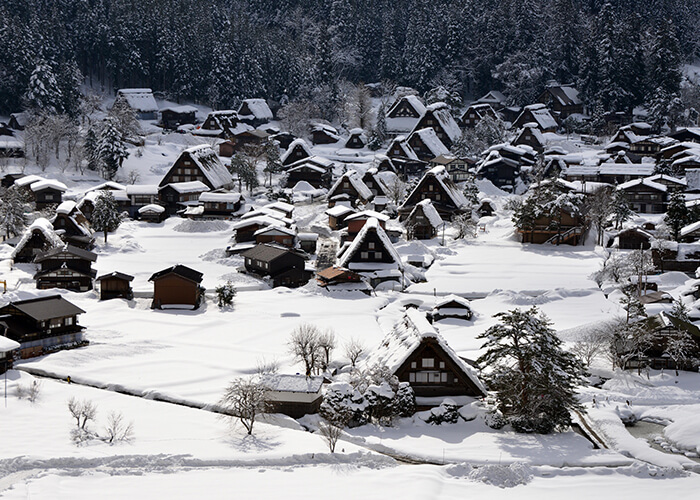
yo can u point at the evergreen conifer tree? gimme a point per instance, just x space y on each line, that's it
105 215
535 378
677 215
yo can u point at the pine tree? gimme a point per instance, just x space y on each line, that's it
105 215
471 191
43 93
92 151
112 149
535 378
677 215
13 208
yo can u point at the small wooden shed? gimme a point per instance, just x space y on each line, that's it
115 285
177 287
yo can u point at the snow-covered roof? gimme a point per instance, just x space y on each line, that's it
48 183
443 178
372 225
7 345
407 150
180 109
141 189
441 112
406 336
366 214
565 94
151 208
690 228
189 187
355 180
642 182
109 185
210 165
432 141
140 100
541 115
220 197
492 97
28 180
668 178
294 144
453 298
269 212
316 162
292 383
66 207
258 109
262 220
281 206
44 226
338 211
413 101
429 211
277 229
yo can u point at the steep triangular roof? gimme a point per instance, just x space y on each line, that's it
440 174
296 144
355 180
46 228
371 226
426 206
208 163
406 336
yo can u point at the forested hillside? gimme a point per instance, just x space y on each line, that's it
619 53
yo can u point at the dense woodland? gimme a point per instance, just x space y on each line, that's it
619 53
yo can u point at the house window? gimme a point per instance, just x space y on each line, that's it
437 197
430 187
364 255
442 365
378 255
68 321
412 376
413 364
443 377
370 245
187 162
428 362
48 196
55 323
422 377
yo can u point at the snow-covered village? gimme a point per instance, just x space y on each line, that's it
349 249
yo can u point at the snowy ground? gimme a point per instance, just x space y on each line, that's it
189 357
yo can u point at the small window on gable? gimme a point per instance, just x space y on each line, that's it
413 364
428 362
370 245
442 364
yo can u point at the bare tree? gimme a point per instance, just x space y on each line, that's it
304 346
265 367
599 208
82 411
117 429
133 176
396 190
330 433
32 392
244 399
353 350
326 344
592 343
296 117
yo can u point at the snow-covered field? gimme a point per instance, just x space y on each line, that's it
139 357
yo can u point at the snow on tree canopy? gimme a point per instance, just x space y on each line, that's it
140 100
372 225
46 228
406 337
